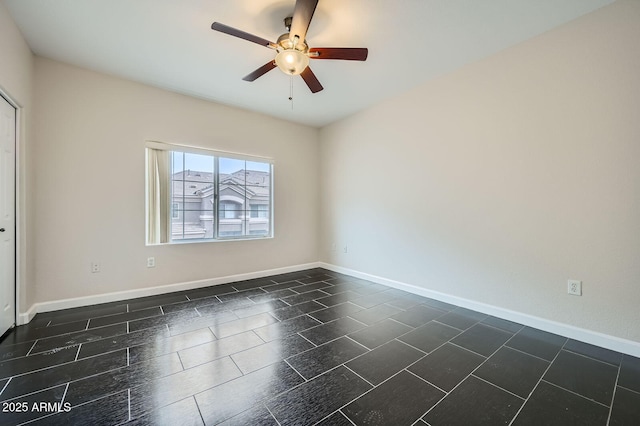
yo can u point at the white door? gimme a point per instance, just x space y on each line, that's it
7 215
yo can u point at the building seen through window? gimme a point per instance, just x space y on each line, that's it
197 195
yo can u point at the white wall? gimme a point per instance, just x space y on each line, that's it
90 133
16 75
499 182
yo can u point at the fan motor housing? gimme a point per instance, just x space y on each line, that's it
285 43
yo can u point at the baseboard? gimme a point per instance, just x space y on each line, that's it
56 305
25 317
588 336
595 338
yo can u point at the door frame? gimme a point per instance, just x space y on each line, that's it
18 211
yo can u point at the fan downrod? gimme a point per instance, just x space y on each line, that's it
287 22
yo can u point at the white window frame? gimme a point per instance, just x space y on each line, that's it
216 154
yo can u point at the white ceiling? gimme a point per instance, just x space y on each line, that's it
170 44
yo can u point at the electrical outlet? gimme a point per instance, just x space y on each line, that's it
95 267
574 287
151 262
345 249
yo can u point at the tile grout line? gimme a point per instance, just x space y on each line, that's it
399 322
592 358
629 390
128 357
64 395
474 352
314 345
537 384
363 323
198 407
323 343
58 413
331 414
35 392
345 416
197 365
87 326
294 369
575 393
6 384
462 330
525 353
496 386
417 349
272 415
364 393
80 379
129 402
428 382
30 349
502 329
61 364
446 394
50 414
234 363
355 341
102 337
486 358
413 329
344 364
78 353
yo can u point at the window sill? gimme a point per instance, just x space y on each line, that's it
204 241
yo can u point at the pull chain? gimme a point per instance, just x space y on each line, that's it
291 91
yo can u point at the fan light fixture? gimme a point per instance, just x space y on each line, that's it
293 52
292 61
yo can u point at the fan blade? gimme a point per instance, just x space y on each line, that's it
312 81
217 26
302 15
345 53
260 71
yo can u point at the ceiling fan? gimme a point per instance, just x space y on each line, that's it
293 52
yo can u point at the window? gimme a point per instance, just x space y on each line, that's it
260 210
229 210
200 195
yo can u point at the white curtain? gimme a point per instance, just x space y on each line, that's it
158 222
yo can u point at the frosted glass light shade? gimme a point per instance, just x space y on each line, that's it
292 61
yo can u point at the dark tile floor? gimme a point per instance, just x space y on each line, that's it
311 347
